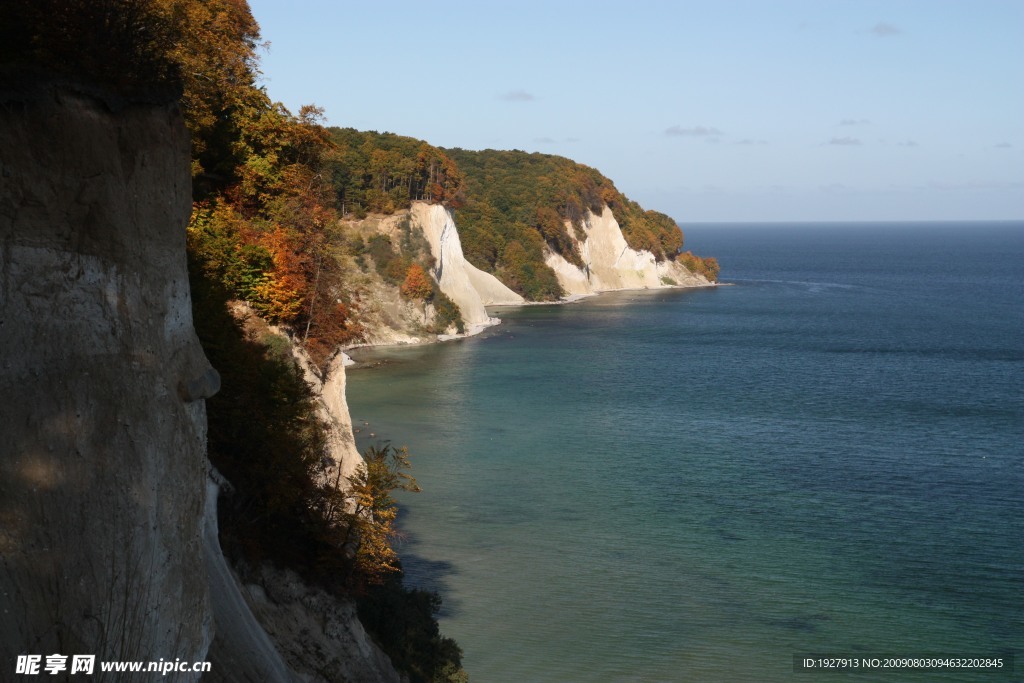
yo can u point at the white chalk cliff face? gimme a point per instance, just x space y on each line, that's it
333 408
465 284
102 380
610 263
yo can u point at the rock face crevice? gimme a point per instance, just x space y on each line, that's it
102 462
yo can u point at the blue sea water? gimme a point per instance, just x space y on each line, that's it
825 457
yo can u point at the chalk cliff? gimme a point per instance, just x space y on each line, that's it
102 379
468 286
610 264
329 388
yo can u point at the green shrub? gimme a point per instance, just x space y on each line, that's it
447 313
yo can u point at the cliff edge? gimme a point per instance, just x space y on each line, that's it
108 506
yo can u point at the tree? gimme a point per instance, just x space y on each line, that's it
215 52
417 284
370 516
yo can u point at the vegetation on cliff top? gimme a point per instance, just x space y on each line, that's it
383 172
508 191
510 206
516 204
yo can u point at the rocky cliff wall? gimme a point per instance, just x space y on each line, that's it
102 460
333 408
610 263
468 286
108 526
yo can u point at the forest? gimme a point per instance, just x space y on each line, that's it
510 206
382 172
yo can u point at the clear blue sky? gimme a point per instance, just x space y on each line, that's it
712 110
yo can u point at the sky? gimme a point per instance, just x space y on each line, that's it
707 110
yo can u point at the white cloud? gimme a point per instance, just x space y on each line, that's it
884 30
694 132
517 96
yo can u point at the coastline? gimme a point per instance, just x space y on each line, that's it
351 354
752 551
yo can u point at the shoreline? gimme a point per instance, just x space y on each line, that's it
350 353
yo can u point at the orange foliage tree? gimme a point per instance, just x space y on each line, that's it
280 295
708 267
368 513
266 203
417 284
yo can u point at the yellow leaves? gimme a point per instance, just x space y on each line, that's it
708 267
280 297
277 301
373 511
215 51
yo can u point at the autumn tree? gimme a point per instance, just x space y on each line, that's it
279 296
708 267
417 283
215 49
369 516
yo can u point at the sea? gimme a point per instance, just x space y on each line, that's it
819 462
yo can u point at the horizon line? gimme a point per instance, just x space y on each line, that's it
849 221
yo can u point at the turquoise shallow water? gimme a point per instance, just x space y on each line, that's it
697 485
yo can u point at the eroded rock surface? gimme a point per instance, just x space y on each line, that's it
609 263
102 456
468 286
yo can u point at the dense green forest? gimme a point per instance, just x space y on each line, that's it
383 172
